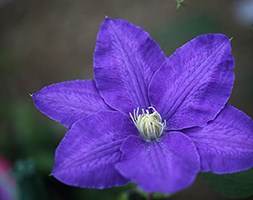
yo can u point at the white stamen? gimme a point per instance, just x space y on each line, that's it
150 125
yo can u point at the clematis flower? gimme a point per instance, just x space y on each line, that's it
146 118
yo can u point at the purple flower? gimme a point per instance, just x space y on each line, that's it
146 118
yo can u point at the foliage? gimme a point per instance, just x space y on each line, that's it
237 185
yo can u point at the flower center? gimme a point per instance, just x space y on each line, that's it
150 125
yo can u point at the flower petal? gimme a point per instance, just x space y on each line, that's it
168 165
225 145
88 153
195 83
67 102
125 60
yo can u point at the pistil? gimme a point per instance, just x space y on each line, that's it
149 124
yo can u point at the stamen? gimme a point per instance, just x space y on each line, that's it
150 125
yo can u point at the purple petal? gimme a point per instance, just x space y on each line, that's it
168 165
195 83
68 102
125 60
225 145
88 153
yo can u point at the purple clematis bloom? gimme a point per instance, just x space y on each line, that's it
146 118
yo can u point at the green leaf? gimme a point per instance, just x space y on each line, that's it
123 196
155 195
234 186
180 3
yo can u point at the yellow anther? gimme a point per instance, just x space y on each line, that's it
150 125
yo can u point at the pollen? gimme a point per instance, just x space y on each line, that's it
149 123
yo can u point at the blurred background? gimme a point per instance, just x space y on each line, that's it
43 42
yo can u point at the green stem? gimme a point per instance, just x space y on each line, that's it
149 197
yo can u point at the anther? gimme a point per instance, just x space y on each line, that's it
149 125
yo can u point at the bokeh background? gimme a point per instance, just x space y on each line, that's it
48 41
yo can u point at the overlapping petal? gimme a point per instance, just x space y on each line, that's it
67 102
166 166
195 83
87 154
125 59
225 145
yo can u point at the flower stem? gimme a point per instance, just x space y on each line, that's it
149 197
